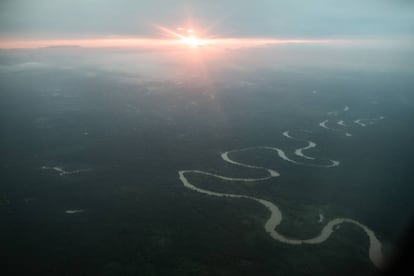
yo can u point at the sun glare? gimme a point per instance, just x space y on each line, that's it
189 38
186 36
193 41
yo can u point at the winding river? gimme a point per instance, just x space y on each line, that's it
275 214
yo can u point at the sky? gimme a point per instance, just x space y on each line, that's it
228 18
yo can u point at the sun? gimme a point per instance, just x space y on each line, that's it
189 37
193 41
185 36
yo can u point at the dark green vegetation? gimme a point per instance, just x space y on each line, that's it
135 134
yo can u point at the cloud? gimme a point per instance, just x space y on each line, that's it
18 67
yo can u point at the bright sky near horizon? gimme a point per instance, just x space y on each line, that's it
229 18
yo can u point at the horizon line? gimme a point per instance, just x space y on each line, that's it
142 42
